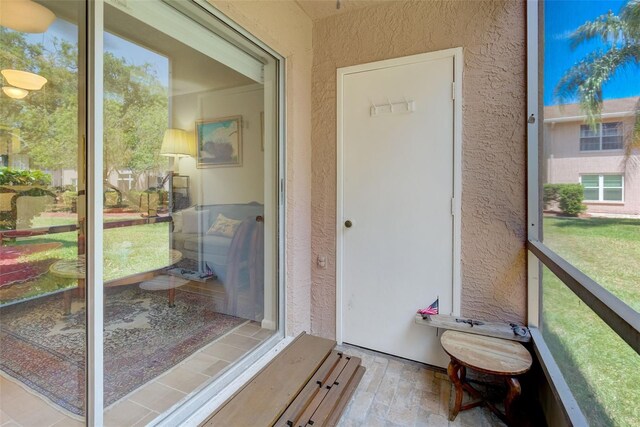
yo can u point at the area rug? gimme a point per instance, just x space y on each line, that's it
10 254
23 271
143 338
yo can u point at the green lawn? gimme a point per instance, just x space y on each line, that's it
127 250
602 370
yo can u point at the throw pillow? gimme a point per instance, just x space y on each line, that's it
194 221
224 226
177 222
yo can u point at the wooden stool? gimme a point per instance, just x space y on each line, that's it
488 355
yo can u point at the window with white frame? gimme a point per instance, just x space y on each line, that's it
603 188
605 136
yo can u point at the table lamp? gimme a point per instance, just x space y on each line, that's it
177 143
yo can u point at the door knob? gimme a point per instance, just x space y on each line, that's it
348 223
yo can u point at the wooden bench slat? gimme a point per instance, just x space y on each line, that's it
303 399
336 390
335 416
321 394
266 396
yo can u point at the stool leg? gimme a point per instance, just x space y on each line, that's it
172 297
67 302
512 394
454 369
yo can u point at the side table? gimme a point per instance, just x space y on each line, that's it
495 356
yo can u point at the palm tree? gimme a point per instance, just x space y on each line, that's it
621 36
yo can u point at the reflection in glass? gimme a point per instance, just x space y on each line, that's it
42 214
184 208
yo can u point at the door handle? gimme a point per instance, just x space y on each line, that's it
348 223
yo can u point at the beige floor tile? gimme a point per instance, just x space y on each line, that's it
216 368
248 329
4 417
11 424
240 341
68 422
263 334
407 394
403 409
157 397
200 362
124 413
146 420
25 408
225 352
183 379
445 396
360 405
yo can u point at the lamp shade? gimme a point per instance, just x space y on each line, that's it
14 92
23 79
26 16
177 143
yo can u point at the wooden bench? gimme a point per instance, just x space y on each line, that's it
308 384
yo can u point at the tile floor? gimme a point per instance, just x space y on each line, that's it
19 408
397 392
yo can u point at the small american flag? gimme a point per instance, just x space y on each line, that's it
208 271
431 310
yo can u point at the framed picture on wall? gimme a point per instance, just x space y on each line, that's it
219 142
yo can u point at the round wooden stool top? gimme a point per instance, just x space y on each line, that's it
487 354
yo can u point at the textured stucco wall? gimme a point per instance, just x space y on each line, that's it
494 144
288 30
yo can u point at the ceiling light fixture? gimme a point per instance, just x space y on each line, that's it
23 79
14 92
26 16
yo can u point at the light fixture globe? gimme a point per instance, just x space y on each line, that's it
23 79
26 16
14 92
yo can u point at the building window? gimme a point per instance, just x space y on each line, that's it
603 188
606 136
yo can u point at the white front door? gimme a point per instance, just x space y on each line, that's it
395 210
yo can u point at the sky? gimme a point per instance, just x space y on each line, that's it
133 53
561 18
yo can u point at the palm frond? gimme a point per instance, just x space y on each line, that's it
630 14
586 78
607 27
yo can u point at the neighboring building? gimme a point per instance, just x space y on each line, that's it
575 153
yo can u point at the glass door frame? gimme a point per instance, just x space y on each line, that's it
94 90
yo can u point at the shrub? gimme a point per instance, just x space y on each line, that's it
70 200
570 198
9 176
551 193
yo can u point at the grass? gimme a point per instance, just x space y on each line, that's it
127 250
601 369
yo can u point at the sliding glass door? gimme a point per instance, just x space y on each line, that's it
152 252
42 213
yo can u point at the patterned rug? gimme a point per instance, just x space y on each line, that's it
24 271
143 338
10 254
